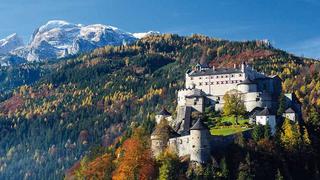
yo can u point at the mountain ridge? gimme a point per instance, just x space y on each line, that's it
59 39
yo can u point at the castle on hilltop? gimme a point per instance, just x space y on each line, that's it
204 87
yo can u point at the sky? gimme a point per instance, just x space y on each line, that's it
291 25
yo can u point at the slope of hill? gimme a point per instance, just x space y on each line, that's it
88 101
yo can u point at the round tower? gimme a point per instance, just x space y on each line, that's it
200 142
160 137
247 86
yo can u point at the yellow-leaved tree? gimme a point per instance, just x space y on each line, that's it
233 104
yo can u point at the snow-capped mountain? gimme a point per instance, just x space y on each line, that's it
58 39
10 43
144 34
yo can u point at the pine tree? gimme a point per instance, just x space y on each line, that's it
267 131
257 132
282 105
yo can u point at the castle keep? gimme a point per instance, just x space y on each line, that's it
205 86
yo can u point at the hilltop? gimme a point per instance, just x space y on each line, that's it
55 113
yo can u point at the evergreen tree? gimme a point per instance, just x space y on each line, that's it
258 132
267 131
282 105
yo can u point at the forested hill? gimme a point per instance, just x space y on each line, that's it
69 109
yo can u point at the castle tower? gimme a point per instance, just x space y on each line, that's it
200 147
163 114
247 86
161 136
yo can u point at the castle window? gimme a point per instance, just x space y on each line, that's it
232 75
195 103
218 82
226 82
240 75
206 83
211 77
180 141
257 99
187 140
221 82
193 146
217 76
211 83
200 84
226 76
191 78
200 78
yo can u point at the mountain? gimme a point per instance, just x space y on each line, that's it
144 34
58 39
57 114
10 43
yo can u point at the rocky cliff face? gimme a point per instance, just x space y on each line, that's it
10 43
58 39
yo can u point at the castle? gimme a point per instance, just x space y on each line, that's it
205 87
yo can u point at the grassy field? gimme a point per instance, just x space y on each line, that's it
233 128
225 131
232 119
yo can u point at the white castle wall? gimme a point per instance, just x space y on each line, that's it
196 102
215 84
186 92
251 101
181 145
245 88
200 145
218 85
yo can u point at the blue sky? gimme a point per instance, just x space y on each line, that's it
292 25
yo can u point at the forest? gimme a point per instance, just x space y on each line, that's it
91 116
